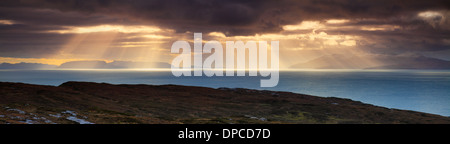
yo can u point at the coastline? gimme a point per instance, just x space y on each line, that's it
102 103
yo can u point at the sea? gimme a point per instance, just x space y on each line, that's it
418 90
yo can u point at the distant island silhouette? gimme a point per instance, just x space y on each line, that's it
333 61
341 61
94 64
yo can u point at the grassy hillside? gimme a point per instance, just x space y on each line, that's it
84 102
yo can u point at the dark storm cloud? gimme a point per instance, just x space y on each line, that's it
412 34
51 17
30 45
231 17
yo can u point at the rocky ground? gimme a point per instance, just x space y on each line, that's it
101 103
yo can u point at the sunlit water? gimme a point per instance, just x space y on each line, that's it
418 90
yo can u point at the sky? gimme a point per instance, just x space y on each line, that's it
58 31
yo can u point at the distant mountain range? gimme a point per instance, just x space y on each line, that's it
87 65
113 65
26 66
334 61
340 61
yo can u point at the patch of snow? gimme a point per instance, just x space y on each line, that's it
80 121
73 113
43 118
55 115
49 121
27 121
16 117
17 110
253 117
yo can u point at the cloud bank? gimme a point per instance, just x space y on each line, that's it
42 28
